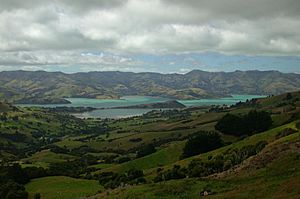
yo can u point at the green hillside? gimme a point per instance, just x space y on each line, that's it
272 173
146 156
62 187
51 87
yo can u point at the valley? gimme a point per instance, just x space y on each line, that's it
128 106
151 147
139 99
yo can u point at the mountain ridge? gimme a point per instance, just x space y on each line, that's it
22 86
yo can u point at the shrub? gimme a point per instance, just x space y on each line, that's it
175 173
216 164
35 172
201 143
114 180
123 159
13 190
12 179
135 139
146 150
37 196
253 122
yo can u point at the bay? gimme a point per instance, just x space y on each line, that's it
136 100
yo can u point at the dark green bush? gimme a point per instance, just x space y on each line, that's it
251 123
202 142
114 180
216 164
146 150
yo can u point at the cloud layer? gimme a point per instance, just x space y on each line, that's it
62 32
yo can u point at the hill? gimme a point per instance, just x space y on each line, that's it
272 173
145 156
52 87
167 104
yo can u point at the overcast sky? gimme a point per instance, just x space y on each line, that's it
150 35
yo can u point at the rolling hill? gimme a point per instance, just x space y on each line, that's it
103 156
52 87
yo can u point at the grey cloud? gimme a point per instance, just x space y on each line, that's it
66 27
33 58
236 9
78 5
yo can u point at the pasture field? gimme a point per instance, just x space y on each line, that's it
46 156
167 155
61 187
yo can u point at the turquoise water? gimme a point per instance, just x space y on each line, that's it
113 113
107 103
227 101
135 100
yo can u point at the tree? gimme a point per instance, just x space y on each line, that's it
229 124
288 96
201 143
13 190
146 150
37 196
134 173
14 173
253 122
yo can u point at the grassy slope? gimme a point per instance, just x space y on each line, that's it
169 154
262 183
57 187
148 130
273 173
162 157
268 136
38 127
46 156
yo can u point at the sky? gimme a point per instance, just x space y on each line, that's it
166 36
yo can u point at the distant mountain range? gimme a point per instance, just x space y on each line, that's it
51 87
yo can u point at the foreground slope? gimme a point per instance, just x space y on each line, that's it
272 173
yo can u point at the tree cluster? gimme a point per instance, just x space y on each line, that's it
202 142
145 150
114 180
216 164
12 180
251 123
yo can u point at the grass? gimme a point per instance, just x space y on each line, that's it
115 135
268 136
278 178
36 164
69 143
61 187
124 143
46 156
162 157
101 166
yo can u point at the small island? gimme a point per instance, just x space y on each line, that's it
42 101
167 104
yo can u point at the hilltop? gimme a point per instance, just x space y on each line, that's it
51 87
